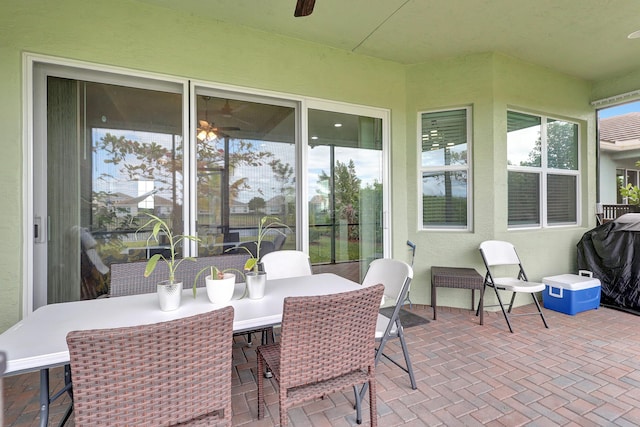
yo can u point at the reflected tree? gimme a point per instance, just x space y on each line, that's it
346 191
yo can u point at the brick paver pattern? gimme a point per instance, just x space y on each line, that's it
583 371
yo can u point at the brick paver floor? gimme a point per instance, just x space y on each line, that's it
583 371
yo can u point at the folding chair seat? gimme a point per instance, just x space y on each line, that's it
327 344
496 253
396 277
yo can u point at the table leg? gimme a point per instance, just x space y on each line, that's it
45 400
433 298
481 306
44 397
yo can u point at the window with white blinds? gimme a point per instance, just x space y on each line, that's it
542 162
445 141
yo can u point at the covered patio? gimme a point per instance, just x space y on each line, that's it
583 371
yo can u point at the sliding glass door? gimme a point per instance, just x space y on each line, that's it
345 182
109 148
108 154
246 169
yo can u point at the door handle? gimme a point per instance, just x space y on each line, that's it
38 230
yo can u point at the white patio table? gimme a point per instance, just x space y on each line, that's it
38 342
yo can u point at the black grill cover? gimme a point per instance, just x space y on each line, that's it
612 252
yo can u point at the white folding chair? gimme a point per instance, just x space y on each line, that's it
498 253
280 265
396 277
283 264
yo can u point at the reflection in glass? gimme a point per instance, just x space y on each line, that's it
524 199
345 187
523 140
445 142
444 138
246 163
562 199
562 145
444 199
113 153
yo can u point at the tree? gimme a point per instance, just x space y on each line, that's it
346 190
257 204
164 165
562 147
283 174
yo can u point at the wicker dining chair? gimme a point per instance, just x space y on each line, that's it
327 344
169 373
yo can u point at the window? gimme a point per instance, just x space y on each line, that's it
542 162
445 142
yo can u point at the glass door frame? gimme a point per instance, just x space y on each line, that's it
37 68
199 87
360 110
34 130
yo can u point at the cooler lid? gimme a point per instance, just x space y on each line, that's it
571 281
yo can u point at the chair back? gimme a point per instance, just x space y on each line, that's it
158 374
497 252
128 278
278 241
329 335
393 274
283 264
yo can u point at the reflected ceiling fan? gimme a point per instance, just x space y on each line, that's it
304 8
230 113
206 129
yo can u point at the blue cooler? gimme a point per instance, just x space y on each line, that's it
571 293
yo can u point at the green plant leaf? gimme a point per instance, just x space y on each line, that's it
156 230
250 264
151 264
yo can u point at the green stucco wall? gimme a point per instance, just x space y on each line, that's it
492 83
134 35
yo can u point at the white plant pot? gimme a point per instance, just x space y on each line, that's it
169 295
221 291
256 283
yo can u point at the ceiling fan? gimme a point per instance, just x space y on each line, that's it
206 129
230 113
304 8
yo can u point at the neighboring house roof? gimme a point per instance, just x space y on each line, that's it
128 200
620 133
276 201
238 203
133 201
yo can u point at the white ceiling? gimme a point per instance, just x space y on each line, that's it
583 38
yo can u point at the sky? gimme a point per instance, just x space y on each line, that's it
368 166
619 110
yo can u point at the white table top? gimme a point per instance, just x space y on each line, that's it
39 341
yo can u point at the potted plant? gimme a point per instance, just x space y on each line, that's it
256 279
220 284
170 290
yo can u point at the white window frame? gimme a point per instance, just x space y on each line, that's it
543 171
452 168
